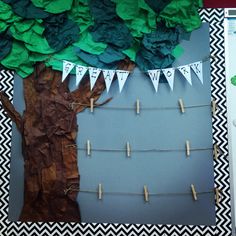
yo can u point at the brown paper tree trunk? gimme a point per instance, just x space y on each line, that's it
49 128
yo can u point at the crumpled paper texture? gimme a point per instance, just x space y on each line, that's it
49 130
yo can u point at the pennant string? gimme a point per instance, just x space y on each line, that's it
205 59
122 75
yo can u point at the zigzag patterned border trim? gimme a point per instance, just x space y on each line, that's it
6 84
219 122
223 225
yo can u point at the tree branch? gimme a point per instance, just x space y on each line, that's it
11 111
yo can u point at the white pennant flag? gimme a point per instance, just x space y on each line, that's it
170 75
93 75
80 72
67 67
185 71
155 77
122 76
197 68
108 77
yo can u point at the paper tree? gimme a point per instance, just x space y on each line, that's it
35 36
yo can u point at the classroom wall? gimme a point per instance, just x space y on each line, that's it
219 3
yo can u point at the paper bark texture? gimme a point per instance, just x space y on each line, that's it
48 127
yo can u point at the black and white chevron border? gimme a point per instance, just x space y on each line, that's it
6 84
218 89
223 225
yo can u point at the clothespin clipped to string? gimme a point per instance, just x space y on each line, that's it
100 191
217 196
216 151
181 105
88 148
91 105
128 149
137 107
187 144
194 193
214 107
146 194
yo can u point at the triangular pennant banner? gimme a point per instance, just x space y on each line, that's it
122 76
170 75
67 67
185 71
197 68
80 72
93 75
155 77
108 77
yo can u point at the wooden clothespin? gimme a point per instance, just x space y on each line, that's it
217 196
187 148
100 192
181 105
194 193
146 194
88 148
128 149
91 104
216 151
137 107
214 107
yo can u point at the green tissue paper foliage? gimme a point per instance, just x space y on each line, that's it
18 60
141 17
138 16
7 16
183 13
233 80
31 33
53 6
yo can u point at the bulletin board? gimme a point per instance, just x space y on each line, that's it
219 220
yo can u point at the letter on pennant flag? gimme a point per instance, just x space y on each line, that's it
197 68
67 67
80 72
108 77
155 77
170 75
185 71
93 75
122 76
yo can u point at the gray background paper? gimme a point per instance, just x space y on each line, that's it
167 172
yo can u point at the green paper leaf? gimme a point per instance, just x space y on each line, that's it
233 80
18 59
55 6
177 51
132 51
87 44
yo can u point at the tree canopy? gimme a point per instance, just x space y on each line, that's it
94 32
